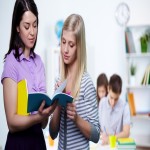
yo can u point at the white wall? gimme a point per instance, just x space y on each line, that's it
5 17
105 39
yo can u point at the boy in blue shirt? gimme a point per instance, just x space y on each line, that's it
114 113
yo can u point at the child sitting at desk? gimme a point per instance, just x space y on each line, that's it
114 114
102 85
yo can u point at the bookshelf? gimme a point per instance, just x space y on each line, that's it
138 66
137 55
138 87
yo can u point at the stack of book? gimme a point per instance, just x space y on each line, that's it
126 144
130 47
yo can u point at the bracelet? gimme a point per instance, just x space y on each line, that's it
51 116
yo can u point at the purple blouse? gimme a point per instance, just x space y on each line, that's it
31 69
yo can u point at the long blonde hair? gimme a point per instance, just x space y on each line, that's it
75 24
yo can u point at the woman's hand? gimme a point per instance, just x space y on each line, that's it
71 111
46 112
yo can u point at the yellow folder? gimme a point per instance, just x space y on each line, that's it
22 98
125 140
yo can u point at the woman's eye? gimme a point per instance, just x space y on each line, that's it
26 27
71 46
35 25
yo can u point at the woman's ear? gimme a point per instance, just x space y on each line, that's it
17 29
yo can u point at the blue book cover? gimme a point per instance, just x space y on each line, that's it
35 100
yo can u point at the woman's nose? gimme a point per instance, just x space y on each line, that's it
32 31
66 48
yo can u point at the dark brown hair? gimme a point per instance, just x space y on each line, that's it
115 83
21 6
102 81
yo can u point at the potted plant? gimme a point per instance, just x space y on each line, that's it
145 39
132 73
133 69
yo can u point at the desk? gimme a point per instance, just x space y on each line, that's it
93 146
98 146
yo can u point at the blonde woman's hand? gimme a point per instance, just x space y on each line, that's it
71 111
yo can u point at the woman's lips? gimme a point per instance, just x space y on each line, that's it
32 40
66 57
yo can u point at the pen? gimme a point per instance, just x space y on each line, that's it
105 131
115 131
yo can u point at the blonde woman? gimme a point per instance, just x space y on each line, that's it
78 123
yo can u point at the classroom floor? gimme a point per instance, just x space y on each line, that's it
143 148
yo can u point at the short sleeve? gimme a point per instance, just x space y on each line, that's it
9 70
126 115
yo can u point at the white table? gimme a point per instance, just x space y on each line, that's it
98 146
93 146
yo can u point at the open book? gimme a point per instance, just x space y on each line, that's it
33 101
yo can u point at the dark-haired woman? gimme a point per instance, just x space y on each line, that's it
21 62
